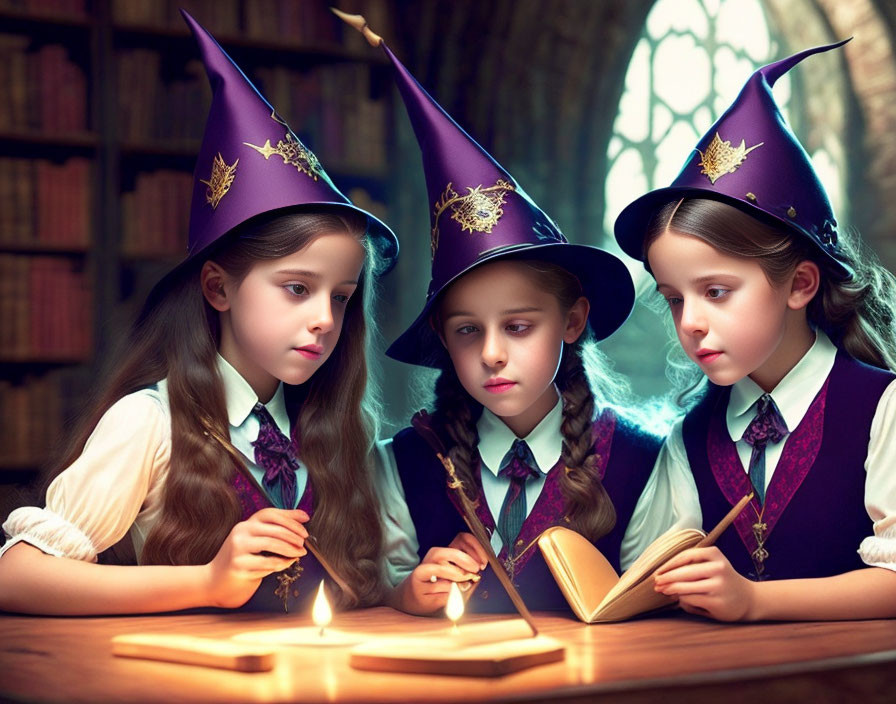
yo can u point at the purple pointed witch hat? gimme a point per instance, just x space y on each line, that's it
479 213
251 163
750 159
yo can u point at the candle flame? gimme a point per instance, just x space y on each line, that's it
321 613
454 609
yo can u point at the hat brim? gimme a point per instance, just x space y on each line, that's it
605 281
631 225
384 241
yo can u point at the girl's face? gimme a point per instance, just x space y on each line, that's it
729 318
505 337
282 321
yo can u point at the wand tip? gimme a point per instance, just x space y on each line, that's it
359 23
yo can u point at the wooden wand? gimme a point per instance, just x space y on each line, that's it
421 425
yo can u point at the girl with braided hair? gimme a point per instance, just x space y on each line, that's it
511 307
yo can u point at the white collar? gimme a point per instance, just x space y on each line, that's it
545 441
794 393
241 399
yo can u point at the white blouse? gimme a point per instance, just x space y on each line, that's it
672 493
116 485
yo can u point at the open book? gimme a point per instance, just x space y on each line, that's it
595 592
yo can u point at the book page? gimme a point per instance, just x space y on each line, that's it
583 574
659 551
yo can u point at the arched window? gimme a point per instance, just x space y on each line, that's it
691 61
687 68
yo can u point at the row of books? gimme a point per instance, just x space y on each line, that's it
30 420
44 204
300 22
63 8
217 16
150 109
331 109
156 214
46 308
45 89
328 106
305 22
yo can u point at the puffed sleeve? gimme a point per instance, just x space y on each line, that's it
668 502
399 534
93 503
879 550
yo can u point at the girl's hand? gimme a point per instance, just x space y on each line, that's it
468 543
706 584
269 541
425 590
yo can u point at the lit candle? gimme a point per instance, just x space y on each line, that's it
454 609
321 613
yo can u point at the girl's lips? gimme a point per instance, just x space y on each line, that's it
498 386
310 351
707 356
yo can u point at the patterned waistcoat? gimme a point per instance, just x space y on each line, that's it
814 516
292 589
625 457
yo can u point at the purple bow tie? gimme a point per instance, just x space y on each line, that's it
276 455
768 426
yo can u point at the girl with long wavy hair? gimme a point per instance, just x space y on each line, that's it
792 324
234 423
509 314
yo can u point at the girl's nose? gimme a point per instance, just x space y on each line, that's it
693 320
494 353
322 320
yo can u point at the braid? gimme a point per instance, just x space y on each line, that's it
455 416
590 509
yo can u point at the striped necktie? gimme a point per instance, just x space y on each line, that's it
518 465
768 426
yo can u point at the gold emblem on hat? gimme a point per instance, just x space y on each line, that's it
293 152
721 158
477 211
220 180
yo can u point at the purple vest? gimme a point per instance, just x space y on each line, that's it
293 589
626 457
814 512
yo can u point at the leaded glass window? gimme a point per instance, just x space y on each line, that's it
692 59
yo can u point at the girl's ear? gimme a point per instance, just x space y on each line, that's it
576 320
213 280
804 284
437 329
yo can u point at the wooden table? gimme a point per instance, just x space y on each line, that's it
672 658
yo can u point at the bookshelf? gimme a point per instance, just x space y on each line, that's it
102 108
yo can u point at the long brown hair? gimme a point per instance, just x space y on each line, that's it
176 338
587 504
857 313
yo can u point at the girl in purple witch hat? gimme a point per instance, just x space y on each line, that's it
793 327
234 423
509 308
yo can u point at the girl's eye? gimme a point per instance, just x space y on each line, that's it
518 327
673 301
341 298
297 289
466 330
717 292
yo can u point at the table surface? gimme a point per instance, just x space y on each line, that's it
675 656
